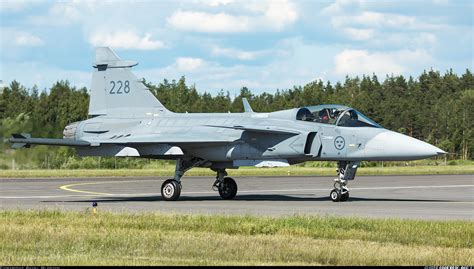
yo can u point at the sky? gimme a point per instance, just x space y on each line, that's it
227 44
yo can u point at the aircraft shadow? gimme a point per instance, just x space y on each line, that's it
249 197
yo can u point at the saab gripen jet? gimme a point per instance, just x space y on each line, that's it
126 119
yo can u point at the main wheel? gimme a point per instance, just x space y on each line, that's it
345 197
228 190
335 195
170 190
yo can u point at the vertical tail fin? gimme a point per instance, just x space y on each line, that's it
116 90
247 107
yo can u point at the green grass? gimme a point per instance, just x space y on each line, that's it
243 171
82 238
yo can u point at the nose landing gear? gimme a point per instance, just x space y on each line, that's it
346 171
340 193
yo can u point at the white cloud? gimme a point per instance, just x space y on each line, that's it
216 3
187 64
359 34
426 39
27 39
124 40
277 14
348 13
207 22
13 5
381 30
68 10
267 15
64 13
358 62
12 37
236 53
381 20
389 40
340 6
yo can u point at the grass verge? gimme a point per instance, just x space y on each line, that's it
81 238
243 171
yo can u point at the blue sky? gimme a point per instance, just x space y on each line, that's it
227 44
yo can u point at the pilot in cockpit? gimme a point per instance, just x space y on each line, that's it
323 116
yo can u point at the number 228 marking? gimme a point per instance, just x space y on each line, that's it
123 87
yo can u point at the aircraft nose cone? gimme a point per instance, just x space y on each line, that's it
396 146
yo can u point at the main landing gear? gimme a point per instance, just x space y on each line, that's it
171 188
226 186
345 171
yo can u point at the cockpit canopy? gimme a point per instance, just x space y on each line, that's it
336 115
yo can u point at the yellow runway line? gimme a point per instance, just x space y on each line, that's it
68 188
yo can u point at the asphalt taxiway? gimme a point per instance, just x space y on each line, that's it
444 197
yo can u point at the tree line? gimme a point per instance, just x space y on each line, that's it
434 107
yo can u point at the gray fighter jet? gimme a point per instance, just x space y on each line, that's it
126 119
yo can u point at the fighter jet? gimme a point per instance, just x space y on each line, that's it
126 119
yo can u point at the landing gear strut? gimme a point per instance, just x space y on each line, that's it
346 171
171 188
225 185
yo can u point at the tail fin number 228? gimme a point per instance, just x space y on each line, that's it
120 87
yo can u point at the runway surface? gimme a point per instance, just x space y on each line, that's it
445 197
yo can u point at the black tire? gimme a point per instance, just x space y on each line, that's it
345 197
170 190
335 195
228 190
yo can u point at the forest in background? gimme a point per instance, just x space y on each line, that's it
434 107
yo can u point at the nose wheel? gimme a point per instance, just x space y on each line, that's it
339 195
